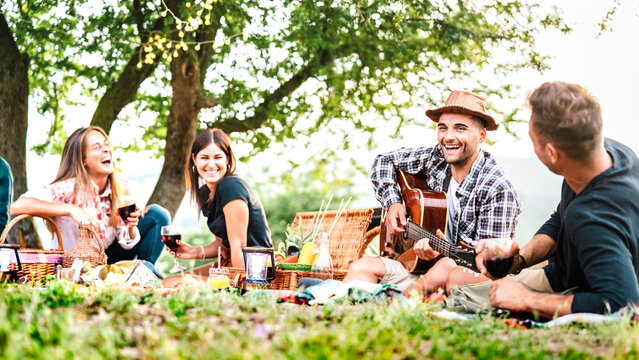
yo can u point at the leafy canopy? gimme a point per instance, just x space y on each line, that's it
282 70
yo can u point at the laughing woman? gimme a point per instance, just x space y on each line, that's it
234 213
87 189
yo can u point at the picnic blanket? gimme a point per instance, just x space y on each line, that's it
315 291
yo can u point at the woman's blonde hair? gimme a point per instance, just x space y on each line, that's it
72 167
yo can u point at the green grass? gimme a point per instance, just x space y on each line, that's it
61 321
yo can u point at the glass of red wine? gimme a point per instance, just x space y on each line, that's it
126 205
497 257
170 236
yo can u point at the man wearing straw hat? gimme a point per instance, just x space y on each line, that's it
592 238
482 202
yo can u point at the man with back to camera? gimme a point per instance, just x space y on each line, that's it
482 202
6 192
592 238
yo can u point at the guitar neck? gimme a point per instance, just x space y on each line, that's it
416 232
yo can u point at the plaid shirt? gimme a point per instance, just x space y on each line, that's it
489 206
6 192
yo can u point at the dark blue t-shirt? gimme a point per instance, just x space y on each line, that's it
597 237
232 188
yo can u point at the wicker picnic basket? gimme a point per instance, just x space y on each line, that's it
85 248
348 242
36 263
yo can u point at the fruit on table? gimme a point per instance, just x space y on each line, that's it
307 255
291 259
293 250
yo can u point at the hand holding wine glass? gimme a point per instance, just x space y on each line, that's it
495 256
170 237
127 207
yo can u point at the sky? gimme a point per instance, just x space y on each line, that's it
606 65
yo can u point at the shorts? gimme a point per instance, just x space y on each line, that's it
397 275
475 297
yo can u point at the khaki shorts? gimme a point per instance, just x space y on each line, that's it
475 297
534 279
397 275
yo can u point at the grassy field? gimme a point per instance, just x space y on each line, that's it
67 321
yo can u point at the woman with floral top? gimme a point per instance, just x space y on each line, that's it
87 189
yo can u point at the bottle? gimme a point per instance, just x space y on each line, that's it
323 263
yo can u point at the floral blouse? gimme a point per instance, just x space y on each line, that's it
95 204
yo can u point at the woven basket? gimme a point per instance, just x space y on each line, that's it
284 279
36 263
347 237
85 248
348 242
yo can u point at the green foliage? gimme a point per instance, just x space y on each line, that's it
84 324
302 189
282 70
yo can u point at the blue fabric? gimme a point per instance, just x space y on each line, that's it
6 192
150 246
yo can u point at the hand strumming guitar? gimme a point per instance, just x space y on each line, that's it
396 218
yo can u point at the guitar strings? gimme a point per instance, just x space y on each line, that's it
422 233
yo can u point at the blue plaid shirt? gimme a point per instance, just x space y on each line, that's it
6 192
489 206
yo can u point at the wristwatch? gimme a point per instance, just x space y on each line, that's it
522 261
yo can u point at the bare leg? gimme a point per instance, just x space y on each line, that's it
434 279
368 268
461 276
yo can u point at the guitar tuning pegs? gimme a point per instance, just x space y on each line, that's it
383 253
388 244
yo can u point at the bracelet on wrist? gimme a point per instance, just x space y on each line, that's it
522 263
203 253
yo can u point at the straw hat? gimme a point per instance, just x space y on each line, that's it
464 102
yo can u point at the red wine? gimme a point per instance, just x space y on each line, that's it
498 266
170 240
125 211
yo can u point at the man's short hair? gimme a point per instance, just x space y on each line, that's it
568 116
482 122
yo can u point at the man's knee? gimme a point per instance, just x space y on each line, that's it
454 278
436 277
371 266
460 276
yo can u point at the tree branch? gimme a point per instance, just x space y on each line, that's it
234 124
203 102
139 18
124 89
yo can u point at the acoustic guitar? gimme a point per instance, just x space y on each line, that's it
427 211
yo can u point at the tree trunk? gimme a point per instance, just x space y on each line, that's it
180 131
14 100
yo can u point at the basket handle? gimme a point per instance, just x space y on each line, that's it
16 219
97 237
368 237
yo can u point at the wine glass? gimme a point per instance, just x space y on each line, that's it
497 257
170 236
126 205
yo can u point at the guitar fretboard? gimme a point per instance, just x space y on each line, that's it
416 232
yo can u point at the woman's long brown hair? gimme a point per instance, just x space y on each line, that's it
202 140
72 167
